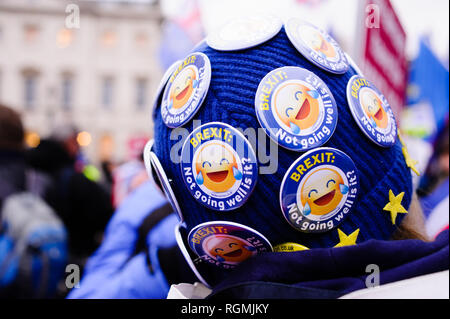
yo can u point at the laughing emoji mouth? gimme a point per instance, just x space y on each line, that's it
304 110
379 114
183 93
325 199
234 253
218 176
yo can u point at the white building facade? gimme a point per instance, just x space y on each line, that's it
99 75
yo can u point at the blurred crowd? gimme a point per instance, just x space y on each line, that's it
73 208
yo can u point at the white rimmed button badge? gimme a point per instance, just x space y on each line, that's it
163 83
219 166
296 108
244 33
157 173
226 244
317 46
186 90
319 190
371 111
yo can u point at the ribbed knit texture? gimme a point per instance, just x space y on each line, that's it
230 99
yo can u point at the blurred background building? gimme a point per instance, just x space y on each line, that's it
98 74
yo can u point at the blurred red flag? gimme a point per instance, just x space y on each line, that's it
383 59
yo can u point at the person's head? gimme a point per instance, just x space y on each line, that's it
341 171
66 135
11 130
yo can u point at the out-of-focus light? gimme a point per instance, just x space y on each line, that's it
109 38
64 38
84 138
92 173
32 139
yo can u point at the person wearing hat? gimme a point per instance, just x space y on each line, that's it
290 179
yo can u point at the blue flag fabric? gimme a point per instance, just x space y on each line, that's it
431 79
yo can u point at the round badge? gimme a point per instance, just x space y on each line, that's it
186 90
189 256
296 108
226 244
156 172
319 190
317 46
244 33
162 84
371 111
219 166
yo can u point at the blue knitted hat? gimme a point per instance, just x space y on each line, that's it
235 76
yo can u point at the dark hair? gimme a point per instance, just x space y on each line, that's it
11 129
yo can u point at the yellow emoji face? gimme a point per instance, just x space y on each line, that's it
322 192
373 107
316 41
297 106
183 87
216 168
227 248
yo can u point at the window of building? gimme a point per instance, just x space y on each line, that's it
108 38
31 33
67 91
107 92
141 39
30 90
141 93
64 38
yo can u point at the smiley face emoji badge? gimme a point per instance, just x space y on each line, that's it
319 190
226 244
373 108
228 249
296 108
316 41
371 111
317 46
183 87
216 167
322 192
219 166
186 90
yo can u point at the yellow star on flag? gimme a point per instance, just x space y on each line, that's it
345 240
395 205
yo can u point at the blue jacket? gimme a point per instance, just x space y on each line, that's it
112 272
